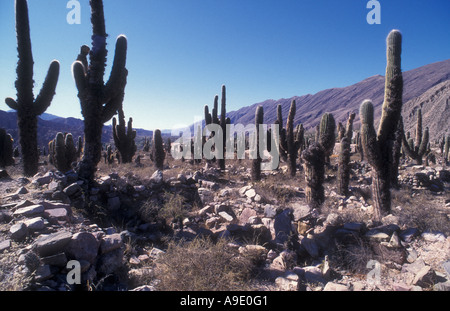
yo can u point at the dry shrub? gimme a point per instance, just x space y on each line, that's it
202 265
424 211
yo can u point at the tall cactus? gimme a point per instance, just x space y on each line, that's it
158 153
28 108
418 148
6 149
378 146
99 101
124 138
256 163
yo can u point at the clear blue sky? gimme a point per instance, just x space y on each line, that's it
180 52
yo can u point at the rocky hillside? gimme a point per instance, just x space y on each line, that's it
419 89
120 240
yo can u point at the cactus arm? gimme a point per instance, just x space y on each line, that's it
118 71
79 70
349 128
327 133
392 105
47 92
11 103
368 135
424 143
24 82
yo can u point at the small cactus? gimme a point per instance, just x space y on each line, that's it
314 160
446 149
416 150
327 137
6 149
256 163
62 152
344 157
314 166
146 147
158 153
124 138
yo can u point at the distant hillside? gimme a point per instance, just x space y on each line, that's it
340 101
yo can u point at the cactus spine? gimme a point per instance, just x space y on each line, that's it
416 150
6 149
158 153
99 101
62 152
256 163
124 138
378 146
28 108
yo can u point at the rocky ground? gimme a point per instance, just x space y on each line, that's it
119 233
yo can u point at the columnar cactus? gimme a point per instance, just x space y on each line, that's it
343 167
314 166
62 152
378 146
124 139
158 153
283 135
344 156
327 137
6 149
314 160
146 146
28 108
294 140
416 150
79 146
99 101
256 163
446 150
223 126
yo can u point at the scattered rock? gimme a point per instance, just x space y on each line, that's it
335 287
18 231
83 246
47 245
29 211
5 245
110 243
